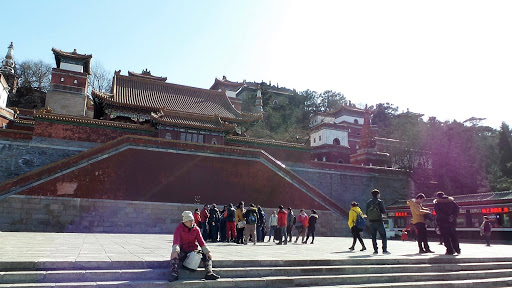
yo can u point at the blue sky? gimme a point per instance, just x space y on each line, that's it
450 59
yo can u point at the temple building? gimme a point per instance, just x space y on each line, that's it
68 91
176 111
8 84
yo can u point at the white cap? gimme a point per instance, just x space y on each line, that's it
187 216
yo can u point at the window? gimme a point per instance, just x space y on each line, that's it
189 137
62 79
183 136
340 161
214 141
319 138
168 136
314 140
323 159
275 103
356 121
75 81
357 147
201 139
336 141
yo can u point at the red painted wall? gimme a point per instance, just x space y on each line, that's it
69 78
81 133
156 176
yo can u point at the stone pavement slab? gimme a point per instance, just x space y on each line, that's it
39 247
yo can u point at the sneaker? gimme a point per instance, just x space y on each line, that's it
211 276
386 252
351 248
422 251
363 249
430 251
173 278
375 252
314 243
280 243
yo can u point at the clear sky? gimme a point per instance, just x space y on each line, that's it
449 59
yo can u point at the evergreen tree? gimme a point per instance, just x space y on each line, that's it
505 150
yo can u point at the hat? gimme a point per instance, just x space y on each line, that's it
187 216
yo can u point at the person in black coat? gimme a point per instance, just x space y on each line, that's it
213 223
313 218
447 212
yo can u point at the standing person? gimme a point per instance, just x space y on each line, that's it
447 211
374 210
356 231
222 225
240 223
251 219
485 230
205 213
260 226
213 223
313 218
230 224
273 225
302 225
418 220
290 220
186 238
197 217
281 225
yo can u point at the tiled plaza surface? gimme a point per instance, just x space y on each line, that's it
25 246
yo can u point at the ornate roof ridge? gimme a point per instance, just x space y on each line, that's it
266 141
223 126
147 76
59 117
73 54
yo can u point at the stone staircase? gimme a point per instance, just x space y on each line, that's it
441 271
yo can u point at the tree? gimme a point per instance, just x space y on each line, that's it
505 150
100 79
382 117
330 100
34 74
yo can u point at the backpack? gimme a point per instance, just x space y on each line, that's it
374 212
251 218
360 222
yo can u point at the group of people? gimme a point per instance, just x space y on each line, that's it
242 224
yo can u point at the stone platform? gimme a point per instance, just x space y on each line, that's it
134 260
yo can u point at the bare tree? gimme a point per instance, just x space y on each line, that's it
34 74
100 79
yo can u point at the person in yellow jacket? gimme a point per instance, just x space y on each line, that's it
356 231
418 220
240 227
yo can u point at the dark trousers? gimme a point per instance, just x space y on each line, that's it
282 235
240 235
222 230
378 227
289 230
487 236
422 236
450 239
204 231
214 232
356 235
311 231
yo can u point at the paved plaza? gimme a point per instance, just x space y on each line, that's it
47 247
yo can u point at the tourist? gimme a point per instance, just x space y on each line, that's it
273 225
222 225
197 217
301 225
186 238
374 210
485 230
281 225
230 224
313 218
446 214
418 220
240 223
251 219
260 226
290 220
356 231
204 221
213 223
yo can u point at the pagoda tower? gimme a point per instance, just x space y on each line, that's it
7 70
368 155
68 91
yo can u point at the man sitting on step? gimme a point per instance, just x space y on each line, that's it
186 238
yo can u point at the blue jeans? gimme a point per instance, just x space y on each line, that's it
271 232
378 227
259 232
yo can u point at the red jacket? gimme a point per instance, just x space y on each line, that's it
197 218
204 215
303 220
187 238
281 218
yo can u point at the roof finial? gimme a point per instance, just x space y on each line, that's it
74 51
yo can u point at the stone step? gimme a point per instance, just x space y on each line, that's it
251 272
479 278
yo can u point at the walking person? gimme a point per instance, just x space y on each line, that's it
313 218
273 225
213 223
230 223
281 224
447 212
260 226
356 231
418 220
240 223
290 221
485 230
205 213
374 210
222 225
301 225
186 238
251 219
